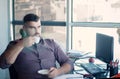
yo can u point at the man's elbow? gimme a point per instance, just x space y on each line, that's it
71 66
3 66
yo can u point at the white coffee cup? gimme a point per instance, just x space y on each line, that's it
37 39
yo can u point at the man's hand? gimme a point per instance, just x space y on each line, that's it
28 41
12 51
53 72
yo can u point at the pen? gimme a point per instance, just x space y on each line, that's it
112 63
116 63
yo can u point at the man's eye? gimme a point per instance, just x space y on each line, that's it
38 26
32 28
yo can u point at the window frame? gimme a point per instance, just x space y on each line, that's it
69 23
87 24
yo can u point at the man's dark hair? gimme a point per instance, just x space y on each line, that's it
30 17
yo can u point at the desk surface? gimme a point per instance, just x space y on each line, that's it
79 70
86 60
70 76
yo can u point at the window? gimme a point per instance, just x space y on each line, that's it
94 16
76 21
48 10
84 39
96 10
52 14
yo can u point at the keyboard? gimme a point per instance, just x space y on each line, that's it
92 68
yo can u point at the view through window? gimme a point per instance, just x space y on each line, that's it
83 39
96 10
102 11
48 10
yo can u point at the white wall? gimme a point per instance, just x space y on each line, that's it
4 32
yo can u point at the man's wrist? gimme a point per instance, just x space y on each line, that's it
20 43
61 71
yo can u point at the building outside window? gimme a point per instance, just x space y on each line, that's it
48 10
88 17
97 16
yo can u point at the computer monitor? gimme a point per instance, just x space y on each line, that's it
104 47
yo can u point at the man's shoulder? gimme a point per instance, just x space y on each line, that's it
52 42
48 39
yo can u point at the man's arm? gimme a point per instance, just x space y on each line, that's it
10 54
65 68
66 64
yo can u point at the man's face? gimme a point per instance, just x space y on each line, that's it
33 28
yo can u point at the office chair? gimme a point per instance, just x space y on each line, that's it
13 73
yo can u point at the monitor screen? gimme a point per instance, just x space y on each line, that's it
104 47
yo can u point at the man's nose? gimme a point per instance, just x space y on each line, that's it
37 30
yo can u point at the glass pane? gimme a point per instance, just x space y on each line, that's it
48 10
96 10
57 33
17 31
84 39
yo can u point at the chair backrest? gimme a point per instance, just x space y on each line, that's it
13 73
